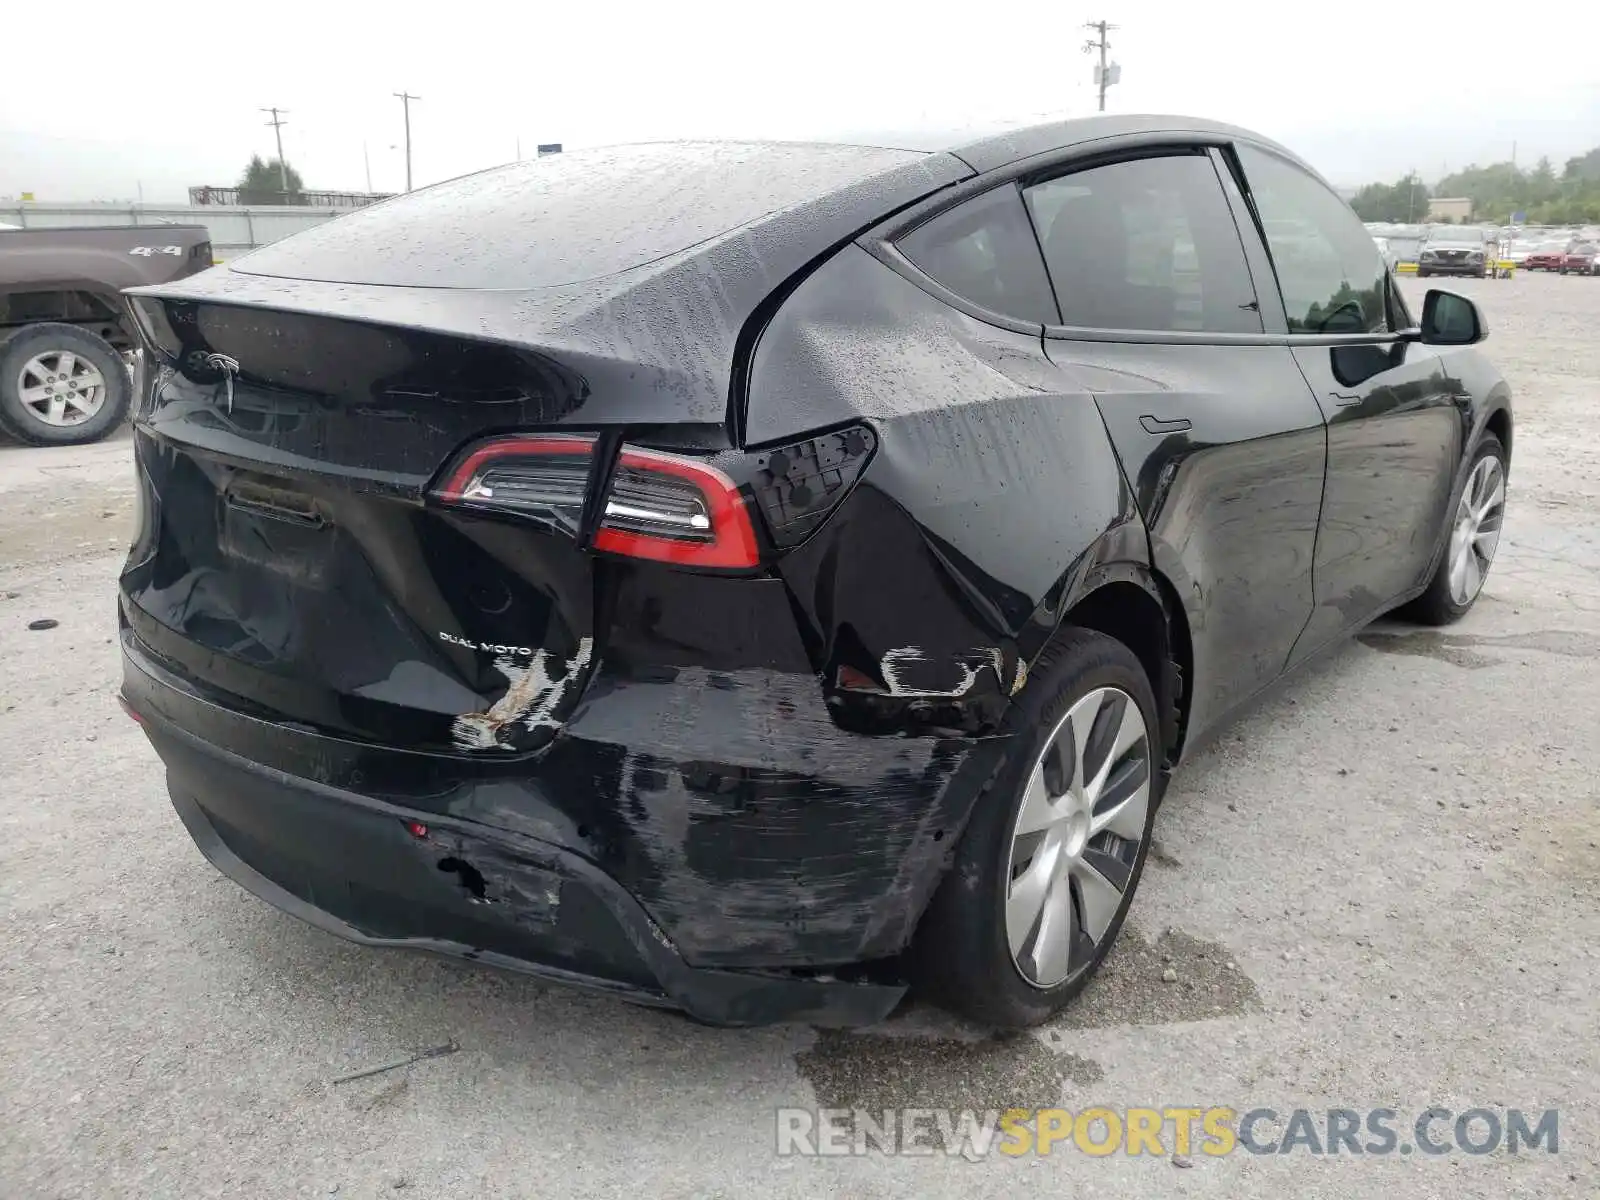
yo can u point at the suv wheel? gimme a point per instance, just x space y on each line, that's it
1048 865
61 385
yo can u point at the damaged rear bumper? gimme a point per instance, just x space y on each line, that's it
382 875
776 898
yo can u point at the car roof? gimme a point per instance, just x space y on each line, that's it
996 145
597 213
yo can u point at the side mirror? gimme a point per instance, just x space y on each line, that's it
1449 319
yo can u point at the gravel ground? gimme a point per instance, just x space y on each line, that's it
1378 889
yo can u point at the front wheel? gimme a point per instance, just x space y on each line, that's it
1048 865
61 386
1474 536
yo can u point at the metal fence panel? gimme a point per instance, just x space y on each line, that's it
234 229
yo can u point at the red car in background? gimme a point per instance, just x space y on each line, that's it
1582 258
1548 257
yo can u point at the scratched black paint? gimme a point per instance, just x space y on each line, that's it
735 793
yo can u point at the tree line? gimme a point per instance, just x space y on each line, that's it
262 183
1497 191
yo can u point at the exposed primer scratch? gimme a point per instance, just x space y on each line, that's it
530 701
894 662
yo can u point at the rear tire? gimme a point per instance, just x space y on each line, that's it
61 386
1085 754
1475 524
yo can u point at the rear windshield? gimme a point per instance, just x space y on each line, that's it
568 218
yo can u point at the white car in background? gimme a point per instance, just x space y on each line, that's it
1382 243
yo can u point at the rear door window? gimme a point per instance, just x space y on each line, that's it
984 252
1330 273
1145 244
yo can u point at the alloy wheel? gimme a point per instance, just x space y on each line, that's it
1476 533
1077 835
60 388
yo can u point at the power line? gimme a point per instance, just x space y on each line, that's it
1103 74
277 123
405 99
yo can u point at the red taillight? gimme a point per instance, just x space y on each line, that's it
674 509
663 507
470 473
545 477
128 708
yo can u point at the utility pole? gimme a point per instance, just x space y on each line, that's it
277 124
406 98
1103 73
366 161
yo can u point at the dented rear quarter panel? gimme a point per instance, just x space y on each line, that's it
994 501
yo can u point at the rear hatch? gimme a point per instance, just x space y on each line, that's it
289 561
391 477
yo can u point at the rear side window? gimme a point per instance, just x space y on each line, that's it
1330 273
984 252
1146 244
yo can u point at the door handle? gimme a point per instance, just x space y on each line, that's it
1159 425
1342 400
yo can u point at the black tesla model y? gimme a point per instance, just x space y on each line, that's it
758 578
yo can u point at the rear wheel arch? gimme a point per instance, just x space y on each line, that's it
1134 605
100 313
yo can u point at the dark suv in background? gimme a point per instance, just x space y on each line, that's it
1456 250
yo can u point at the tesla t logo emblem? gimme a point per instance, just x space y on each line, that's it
229 368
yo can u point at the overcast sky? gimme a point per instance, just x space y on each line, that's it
161 97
